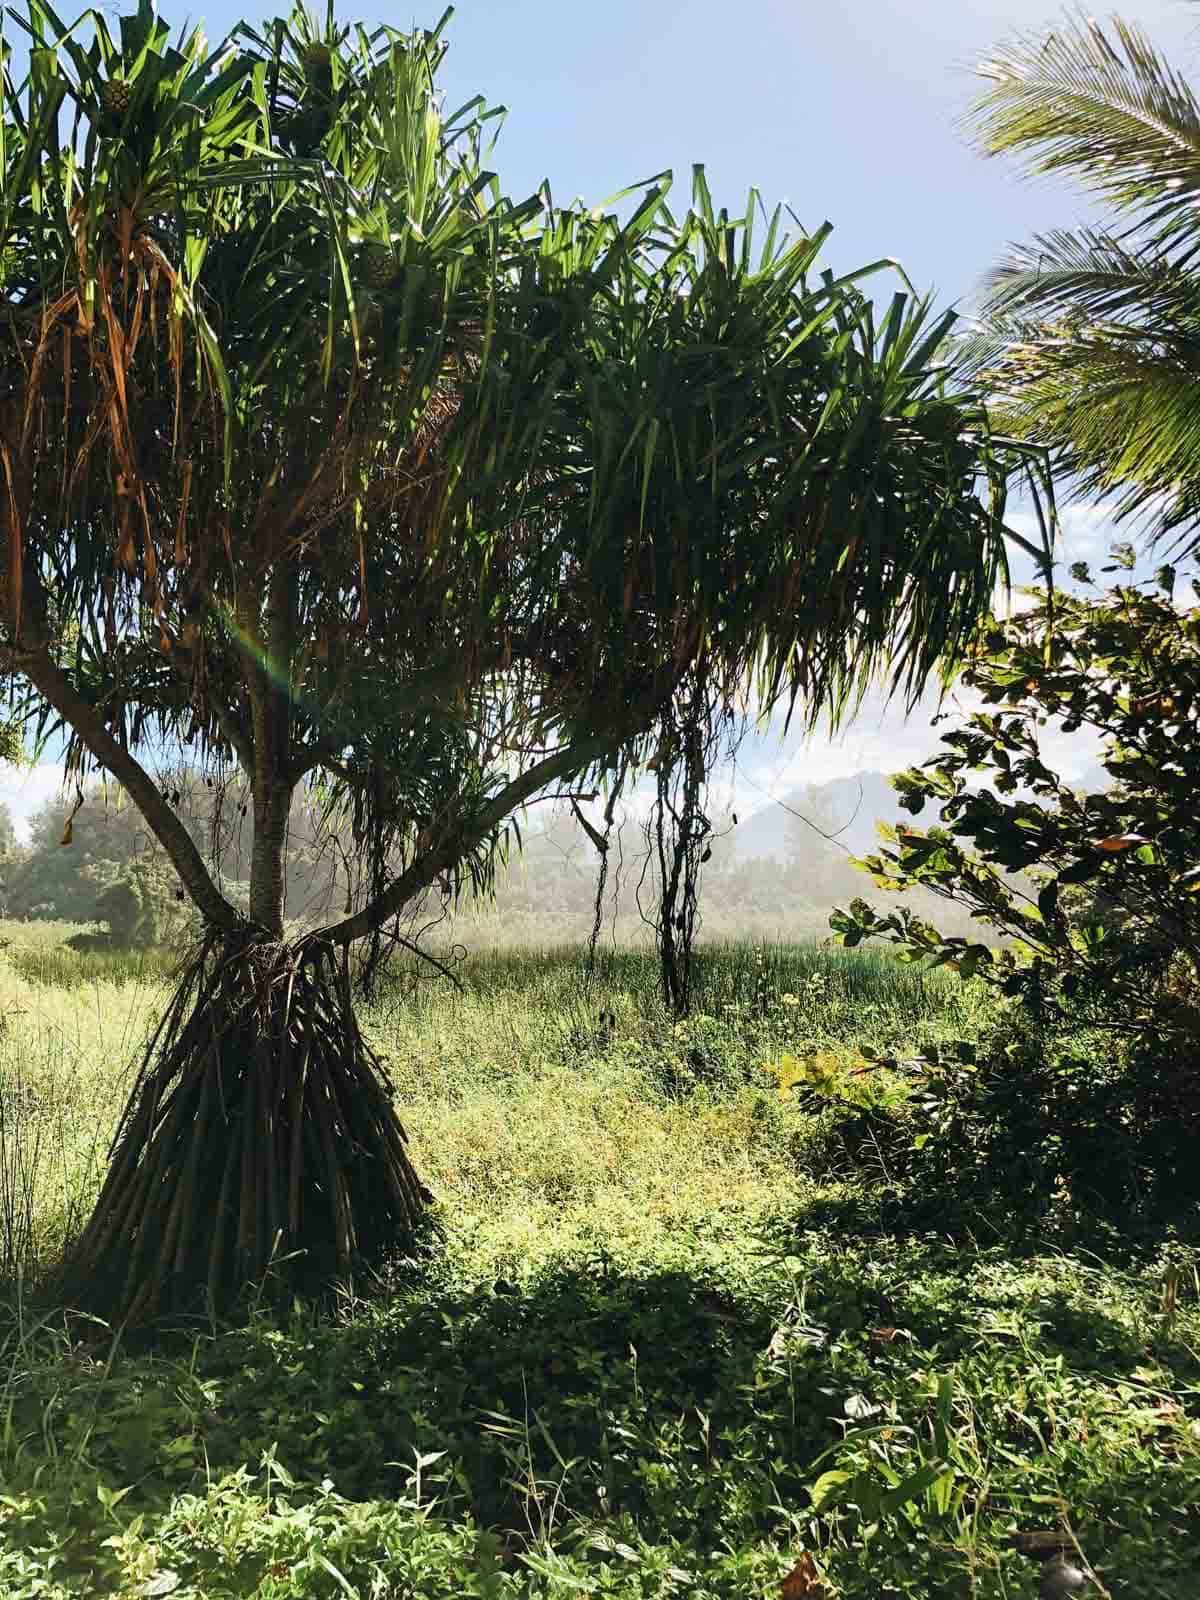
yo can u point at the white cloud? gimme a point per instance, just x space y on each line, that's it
882 738
1087 531
25 790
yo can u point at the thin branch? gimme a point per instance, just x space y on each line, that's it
53 684
415 949
593 834
831 838
422 872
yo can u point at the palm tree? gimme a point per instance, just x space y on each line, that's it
322 459
1089 338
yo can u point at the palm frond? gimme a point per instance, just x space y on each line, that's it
1088 275
1103 106
1119 414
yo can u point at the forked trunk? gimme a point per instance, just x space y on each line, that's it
259 1145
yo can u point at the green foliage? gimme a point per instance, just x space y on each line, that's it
1103 930
98 863
1126 666
142 906
630 1428
1086 333
109 844
50 880
10 855
656 1357
12 742
8 835
1050 1125
827 1076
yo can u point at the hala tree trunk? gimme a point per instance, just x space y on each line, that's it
272 803
260 1145
260 1142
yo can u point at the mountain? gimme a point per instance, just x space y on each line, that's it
770 877
846 809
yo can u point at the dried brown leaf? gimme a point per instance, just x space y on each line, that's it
804 1582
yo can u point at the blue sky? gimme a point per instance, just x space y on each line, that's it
848 112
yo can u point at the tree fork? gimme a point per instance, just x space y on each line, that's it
422 872
50 681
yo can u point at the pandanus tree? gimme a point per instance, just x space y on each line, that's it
321 456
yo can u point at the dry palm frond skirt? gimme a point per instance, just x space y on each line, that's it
259 1146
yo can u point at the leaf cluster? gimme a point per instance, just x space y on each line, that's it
1097 896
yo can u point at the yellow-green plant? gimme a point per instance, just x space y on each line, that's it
858 1080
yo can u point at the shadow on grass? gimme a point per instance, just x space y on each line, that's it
687 1408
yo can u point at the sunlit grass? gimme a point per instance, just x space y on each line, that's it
638 1352
529 1122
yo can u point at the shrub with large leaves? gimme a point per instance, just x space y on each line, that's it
1089 904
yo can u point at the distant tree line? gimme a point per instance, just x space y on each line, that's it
111 874
90 858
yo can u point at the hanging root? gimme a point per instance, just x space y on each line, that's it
259 1144
603 841
694 730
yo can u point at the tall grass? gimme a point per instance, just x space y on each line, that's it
49 1160
70 1026
526 1115
557 983
28 950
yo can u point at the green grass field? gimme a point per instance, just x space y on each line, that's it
663 1349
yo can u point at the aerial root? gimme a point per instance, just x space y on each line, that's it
259 1144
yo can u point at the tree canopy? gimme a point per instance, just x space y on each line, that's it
323 456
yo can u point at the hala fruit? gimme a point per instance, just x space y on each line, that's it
318 59
379 266
116 97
